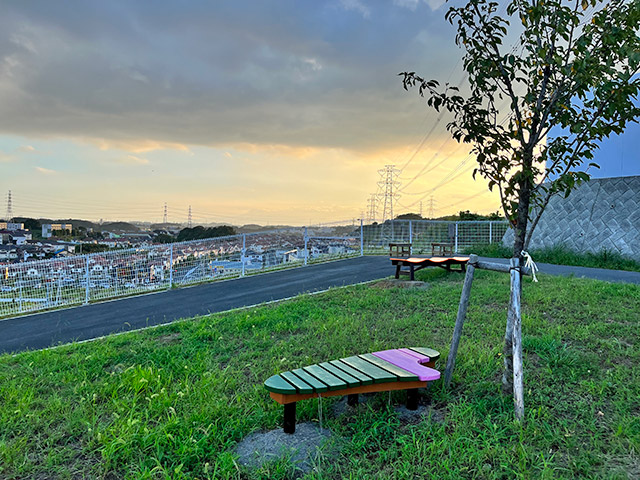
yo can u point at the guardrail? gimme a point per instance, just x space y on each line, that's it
60 282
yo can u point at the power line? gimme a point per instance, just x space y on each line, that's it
438 119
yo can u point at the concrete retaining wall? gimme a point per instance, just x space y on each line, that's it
600 214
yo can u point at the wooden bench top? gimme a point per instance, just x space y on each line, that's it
399 365
426 260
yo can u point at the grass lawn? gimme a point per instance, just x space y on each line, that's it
172 402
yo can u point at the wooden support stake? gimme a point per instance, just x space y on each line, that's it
518 384
507 351
462 313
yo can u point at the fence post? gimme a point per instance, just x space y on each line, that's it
306 246
410 237
171 266
456 240
361 237
86 279
244 250
21 280
490 233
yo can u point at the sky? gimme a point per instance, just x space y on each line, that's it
247 111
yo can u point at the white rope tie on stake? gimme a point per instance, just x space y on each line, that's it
531 265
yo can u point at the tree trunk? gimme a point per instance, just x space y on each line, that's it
524 200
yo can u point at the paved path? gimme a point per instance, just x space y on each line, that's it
91 321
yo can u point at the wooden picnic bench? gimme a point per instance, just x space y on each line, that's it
399 369
399 249
413 264
441 248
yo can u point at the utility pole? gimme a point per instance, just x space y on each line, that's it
389 184
189 222
9 207
164 217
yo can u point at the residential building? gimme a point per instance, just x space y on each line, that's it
16 237
11 226
49 228
8 253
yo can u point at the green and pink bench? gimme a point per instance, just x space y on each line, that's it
399 369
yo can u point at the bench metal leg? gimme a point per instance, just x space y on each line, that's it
412 271
352 400
290 417
412 399
398 270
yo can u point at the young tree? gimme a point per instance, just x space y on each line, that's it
569 81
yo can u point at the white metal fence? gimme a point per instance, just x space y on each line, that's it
44 284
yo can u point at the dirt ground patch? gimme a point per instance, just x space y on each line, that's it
167 339
384 284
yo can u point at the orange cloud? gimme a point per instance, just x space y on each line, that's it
137 146
45 171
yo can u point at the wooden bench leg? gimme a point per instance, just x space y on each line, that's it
290 417
398 270
412 276
352 400
412 399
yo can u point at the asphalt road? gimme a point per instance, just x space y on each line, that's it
91 321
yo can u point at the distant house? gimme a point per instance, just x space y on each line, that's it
49 228
16 237
8 253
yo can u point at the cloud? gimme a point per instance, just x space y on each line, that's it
137 146
26 149
356 5
5 157
132 160
217 73
435 4
413 4
45 171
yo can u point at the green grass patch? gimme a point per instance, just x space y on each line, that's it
560 255
172 402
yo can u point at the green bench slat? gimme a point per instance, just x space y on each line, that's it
429 352
364 379
379 375
345 377
317 385
277 384
330 380
402 374
301 386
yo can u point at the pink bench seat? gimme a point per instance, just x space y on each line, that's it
410 361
